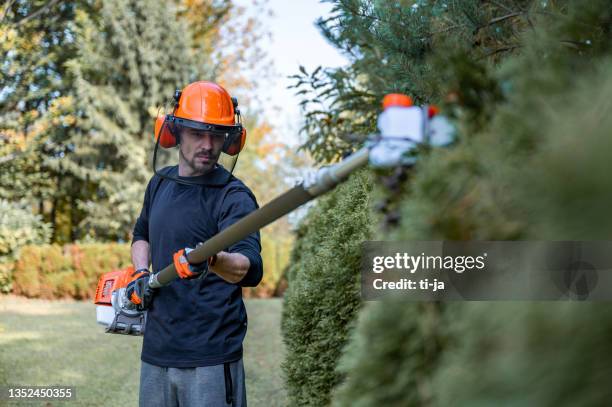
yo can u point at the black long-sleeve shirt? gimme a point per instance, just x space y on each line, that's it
199 322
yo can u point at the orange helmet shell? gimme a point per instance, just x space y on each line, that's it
206 102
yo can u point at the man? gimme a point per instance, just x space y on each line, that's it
192 347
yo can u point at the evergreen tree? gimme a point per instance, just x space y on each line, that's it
36 41
391 46
82 81
131 57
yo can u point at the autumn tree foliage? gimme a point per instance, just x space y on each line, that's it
81 82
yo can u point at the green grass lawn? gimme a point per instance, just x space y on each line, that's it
47 342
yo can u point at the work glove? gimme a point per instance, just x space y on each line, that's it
138 291
189 271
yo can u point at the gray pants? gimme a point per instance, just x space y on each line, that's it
209 386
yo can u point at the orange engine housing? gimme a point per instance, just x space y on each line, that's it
110 282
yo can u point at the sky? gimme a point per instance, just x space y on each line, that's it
295 41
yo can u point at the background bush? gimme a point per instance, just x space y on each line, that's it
70 271
18 227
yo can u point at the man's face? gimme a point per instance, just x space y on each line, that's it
199 151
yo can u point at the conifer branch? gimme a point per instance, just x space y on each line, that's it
37 12
502 18
501 5
502 49
6 9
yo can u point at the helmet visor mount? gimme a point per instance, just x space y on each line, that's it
215 129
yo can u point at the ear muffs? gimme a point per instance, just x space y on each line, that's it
237 145
163 132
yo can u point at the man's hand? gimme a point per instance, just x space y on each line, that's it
138 291
186 270
231 267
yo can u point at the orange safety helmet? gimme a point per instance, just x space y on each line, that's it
203 106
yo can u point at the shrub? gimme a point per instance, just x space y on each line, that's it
73 270
53 271
323 293
18 227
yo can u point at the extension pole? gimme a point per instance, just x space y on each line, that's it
326 179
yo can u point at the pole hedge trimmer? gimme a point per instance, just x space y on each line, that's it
403 128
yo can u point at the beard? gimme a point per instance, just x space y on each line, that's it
201 162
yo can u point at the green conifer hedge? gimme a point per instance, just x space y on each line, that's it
323 294
528 85
536 168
